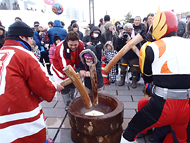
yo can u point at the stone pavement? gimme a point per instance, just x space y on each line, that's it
57 120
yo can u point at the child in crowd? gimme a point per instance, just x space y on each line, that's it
2 35
56 39
44 37
88 57
107 55
35 50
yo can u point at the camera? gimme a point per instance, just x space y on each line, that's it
125 34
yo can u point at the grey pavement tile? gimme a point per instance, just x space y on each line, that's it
60 104
52 133
147 138
124 98
48 104
53 122
129 92
52 112
125 123
64 136
129 113
136 98
130 105
111 92
66 124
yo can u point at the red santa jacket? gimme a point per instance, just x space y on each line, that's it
63 56
23 83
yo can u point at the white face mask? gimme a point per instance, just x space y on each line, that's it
89 63
95 35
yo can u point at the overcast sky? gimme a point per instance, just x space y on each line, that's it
118 8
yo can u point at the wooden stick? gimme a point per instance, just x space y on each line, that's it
69 71
68 81
138 38
93 77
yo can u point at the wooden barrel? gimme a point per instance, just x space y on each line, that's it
96 129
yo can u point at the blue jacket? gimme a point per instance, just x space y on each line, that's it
36 38
57 28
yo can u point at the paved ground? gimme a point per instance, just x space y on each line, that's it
57 120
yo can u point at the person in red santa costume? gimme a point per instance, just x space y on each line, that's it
67 53
23 84
164 63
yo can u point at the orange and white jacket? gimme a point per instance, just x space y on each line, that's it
23 83
166 62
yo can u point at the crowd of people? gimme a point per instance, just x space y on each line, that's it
53 47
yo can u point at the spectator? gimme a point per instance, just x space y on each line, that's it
139 27
57 40
187 18
181 28
70 26
101 22
187 33
67 53
145 21
44 36
106 19
117 23
35 50
50 24
149 19
88 57
18 19
75 28
107 56
20 106
57 28
63 24
36 36
131 20
120 29
87 30
94 39
130 57
2 35
109 35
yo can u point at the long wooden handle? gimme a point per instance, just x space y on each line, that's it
68 81
69 71
93 77
138 38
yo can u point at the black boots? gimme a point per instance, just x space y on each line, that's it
122 81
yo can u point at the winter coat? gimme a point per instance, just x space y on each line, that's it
57 28
24 83
181 28
120 42
36 38
108 36
97 43
63 57
83 66
51 52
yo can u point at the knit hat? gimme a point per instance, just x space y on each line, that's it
89 56
188 16
56 37
128 25
108 24
106 18
2 27
19 28
44 28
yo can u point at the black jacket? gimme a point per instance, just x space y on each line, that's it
120 42
95 42
181 28
83 66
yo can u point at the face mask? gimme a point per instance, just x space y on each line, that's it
88 64
95 35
